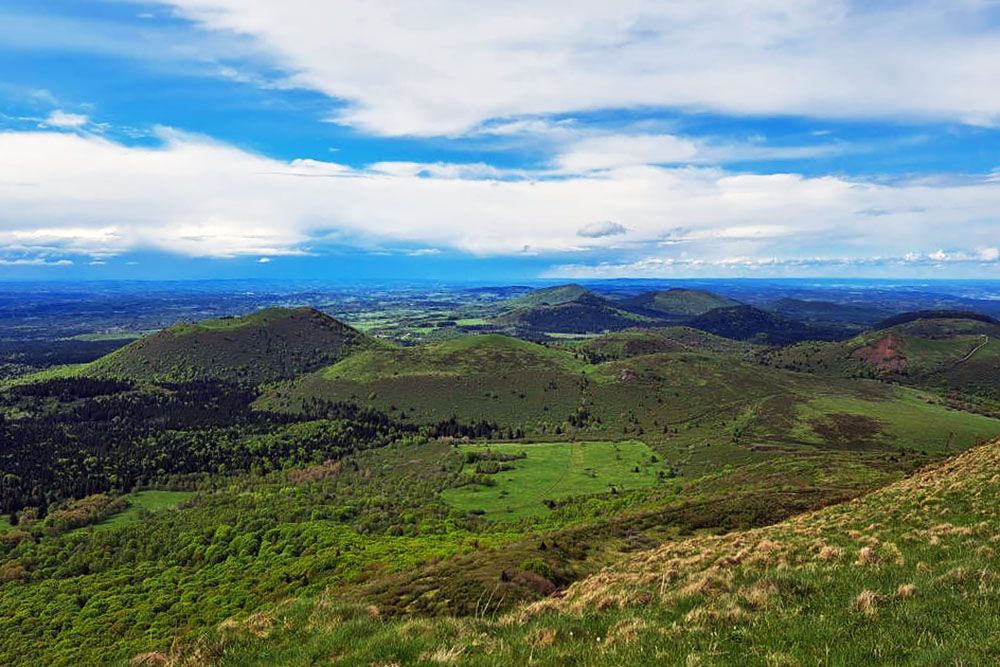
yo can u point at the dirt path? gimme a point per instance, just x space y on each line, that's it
986 339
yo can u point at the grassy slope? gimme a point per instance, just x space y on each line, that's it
553 471
145 501
477 377
905 575
637 342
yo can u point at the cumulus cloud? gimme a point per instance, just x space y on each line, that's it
989 254
599 230
64 119
440 67
66 194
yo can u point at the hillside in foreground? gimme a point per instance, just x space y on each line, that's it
905 575
271 344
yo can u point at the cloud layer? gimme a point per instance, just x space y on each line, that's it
443 67
67 194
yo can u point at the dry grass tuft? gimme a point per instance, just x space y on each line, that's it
705 615
708 584
867 556
626 631
829 553
444 655
867 602
906 591
151 659
259 624
760 594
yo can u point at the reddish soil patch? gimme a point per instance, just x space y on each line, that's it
884 354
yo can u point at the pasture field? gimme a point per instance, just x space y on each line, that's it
139 501
551 471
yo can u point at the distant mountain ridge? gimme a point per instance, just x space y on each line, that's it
904 318
754 324
827 312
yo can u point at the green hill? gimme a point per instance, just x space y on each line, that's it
269 345
549 296
759 326
587 313
957 355
677 303
491 377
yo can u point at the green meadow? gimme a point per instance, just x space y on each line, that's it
909 419
552 471
145 501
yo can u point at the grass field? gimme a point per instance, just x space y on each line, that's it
908 421
153 501
4 524
555 470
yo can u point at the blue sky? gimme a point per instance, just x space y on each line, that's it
246 138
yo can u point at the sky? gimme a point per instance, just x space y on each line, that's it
474 140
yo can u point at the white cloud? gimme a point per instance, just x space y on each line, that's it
34 261
264 260
64 119
610 150
67 194
664 267
444 67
